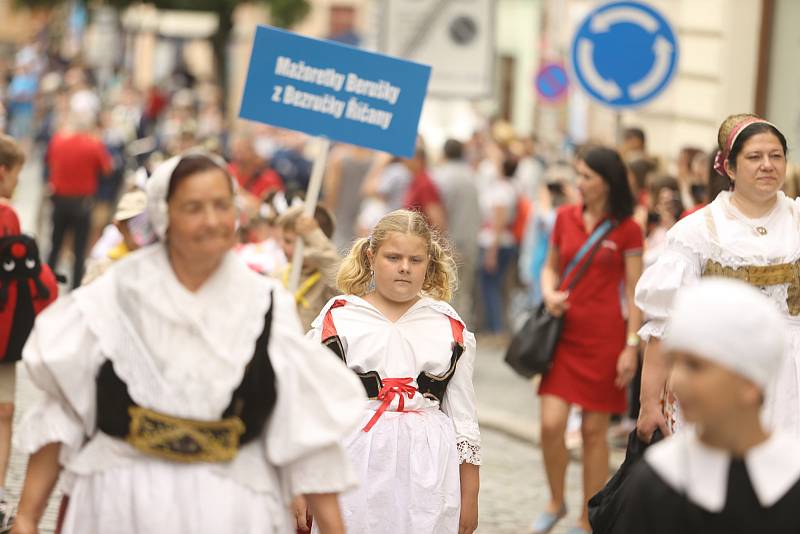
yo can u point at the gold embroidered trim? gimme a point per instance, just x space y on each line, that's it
762 276
184 440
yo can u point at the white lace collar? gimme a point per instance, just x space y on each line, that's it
688 465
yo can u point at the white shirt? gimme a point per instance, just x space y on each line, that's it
497 193
721 233
420 340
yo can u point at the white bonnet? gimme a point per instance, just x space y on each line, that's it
157 188
730 323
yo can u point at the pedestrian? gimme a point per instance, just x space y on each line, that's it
418 449
634 144
76 160
320 259
498 246
749 233
726 473
253 173
24 292
178 389
594 360
457 184
555 191
342 190
422 194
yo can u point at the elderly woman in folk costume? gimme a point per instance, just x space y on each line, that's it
180 394
750 233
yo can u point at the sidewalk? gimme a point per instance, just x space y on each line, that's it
508 403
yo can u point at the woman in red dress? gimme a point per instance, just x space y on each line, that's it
594 360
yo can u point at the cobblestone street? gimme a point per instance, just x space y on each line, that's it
514 487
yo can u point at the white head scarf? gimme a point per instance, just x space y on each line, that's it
157 188
730 323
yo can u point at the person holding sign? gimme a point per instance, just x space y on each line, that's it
418 449
178 391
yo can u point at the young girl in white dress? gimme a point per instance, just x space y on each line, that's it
417 450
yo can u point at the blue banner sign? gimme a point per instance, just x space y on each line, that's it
336 91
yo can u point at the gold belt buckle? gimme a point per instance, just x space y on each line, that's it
184 440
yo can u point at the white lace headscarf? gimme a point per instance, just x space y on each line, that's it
157 188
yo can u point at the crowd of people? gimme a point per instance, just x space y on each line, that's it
181 395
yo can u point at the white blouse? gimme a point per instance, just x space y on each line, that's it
721 233
420 340
183 354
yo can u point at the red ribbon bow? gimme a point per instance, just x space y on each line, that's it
391 388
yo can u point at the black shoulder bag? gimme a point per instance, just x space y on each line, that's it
533 347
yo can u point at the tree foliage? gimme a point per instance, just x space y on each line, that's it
285 13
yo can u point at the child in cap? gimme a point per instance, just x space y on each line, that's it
320 259
726 473
130 220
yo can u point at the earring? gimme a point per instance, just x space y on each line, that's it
371 286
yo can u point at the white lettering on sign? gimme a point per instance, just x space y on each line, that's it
326 103
382 90
354 109
298 70
362 112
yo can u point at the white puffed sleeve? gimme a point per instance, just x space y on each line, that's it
320 402
62 357
459 404
676 267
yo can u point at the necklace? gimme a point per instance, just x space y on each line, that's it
759 229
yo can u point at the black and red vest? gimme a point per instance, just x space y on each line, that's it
428 385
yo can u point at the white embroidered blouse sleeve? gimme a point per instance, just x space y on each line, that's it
319 403
62 358
676 267
459 404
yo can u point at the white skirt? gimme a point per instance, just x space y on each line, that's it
409 482
156 497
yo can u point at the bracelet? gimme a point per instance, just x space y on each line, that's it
633 340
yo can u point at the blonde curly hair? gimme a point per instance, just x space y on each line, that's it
355 275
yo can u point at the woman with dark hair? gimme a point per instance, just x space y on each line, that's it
594 360
179 394
749 233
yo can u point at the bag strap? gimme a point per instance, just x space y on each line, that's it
591 246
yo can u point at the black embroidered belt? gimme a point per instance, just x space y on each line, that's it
184 440
189 440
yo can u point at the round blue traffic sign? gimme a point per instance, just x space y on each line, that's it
552 82
624 54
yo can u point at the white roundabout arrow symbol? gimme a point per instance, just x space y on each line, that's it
663 50
603 21
607 88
